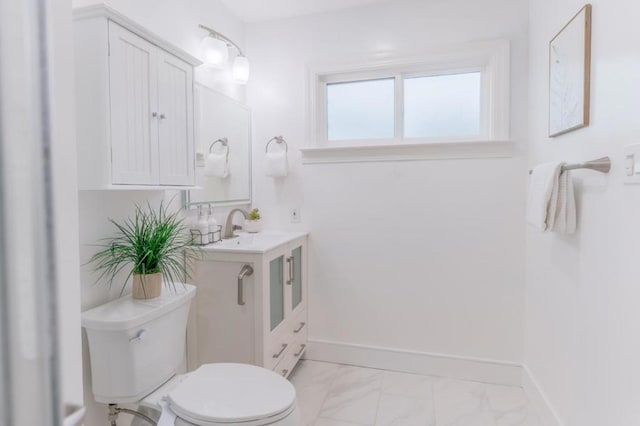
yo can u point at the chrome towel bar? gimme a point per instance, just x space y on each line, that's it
602 165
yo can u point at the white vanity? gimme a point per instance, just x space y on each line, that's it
261 319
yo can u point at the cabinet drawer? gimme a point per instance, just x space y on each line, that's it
278 349
299 325
287 364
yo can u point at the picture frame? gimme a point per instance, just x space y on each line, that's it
570 75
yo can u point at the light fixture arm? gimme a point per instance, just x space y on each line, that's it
220 36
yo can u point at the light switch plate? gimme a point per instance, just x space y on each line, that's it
632 164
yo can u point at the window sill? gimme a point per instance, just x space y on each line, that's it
407 152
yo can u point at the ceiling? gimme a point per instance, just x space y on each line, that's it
264 10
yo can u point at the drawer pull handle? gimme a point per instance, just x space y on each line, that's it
297 330
284 346
301 350
284 373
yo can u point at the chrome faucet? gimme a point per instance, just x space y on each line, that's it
229 227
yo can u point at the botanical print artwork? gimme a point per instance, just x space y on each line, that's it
569 62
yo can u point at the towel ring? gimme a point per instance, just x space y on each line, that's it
224 142
279 140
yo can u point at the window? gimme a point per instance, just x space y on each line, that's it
443 106
455 96
361 110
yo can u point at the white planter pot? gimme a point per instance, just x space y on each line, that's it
252 226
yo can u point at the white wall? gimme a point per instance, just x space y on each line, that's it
425 256
582 317
176 21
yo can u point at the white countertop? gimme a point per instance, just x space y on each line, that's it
260 242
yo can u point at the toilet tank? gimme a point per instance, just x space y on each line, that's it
137 345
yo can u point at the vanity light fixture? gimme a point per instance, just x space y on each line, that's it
215 48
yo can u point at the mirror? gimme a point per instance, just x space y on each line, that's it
226 122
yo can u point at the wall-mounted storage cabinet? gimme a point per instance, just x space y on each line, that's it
270 328
134 102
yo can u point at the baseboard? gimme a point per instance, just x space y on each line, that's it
465 368
539 399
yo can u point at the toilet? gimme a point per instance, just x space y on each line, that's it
138 346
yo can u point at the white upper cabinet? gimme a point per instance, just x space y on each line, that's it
134 96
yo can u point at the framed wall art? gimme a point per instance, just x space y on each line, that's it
570 75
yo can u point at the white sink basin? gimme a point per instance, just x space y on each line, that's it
260 242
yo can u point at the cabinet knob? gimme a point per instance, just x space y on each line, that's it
162 117
154 114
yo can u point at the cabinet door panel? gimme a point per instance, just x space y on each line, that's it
133 98
276 292
176 143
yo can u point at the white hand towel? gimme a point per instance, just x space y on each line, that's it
275 164
167 417
216 165
565 215
543 195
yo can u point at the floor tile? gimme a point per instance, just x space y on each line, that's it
354 396
398 410
337 395
407 384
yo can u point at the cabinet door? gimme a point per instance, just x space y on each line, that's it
295 271
176 143
133 95
276 291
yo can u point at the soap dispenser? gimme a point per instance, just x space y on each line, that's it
212 226
203 226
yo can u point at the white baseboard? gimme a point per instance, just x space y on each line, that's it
465 368
539 399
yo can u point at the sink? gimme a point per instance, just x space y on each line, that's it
260 242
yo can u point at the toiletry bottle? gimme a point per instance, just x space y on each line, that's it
203 226
213 226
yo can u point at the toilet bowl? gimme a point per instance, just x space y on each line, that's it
227 394
138 347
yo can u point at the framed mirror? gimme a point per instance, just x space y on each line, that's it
223 150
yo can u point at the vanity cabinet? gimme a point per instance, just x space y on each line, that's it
265 321
134 101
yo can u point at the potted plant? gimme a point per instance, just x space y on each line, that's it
252 224
154 245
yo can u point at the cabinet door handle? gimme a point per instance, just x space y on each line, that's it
154 114
301 350
284 346
246 271
162 117
297 330
290 262
284 373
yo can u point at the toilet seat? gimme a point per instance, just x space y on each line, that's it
228 394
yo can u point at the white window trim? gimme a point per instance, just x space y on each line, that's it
492 58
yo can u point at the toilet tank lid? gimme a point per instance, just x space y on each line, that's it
126 313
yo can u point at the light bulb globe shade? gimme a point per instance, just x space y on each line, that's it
214 51
240 70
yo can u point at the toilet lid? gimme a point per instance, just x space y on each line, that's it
230 393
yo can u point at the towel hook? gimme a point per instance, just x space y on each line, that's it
279 140
224 142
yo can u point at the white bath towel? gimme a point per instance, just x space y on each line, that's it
551 200
541 198
217 165
275 164
565 214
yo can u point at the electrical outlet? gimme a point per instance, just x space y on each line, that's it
294 215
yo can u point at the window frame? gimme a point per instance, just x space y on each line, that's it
491 59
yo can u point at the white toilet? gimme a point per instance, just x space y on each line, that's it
136 348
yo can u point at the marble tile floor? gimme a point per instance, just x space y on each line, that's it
342 395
